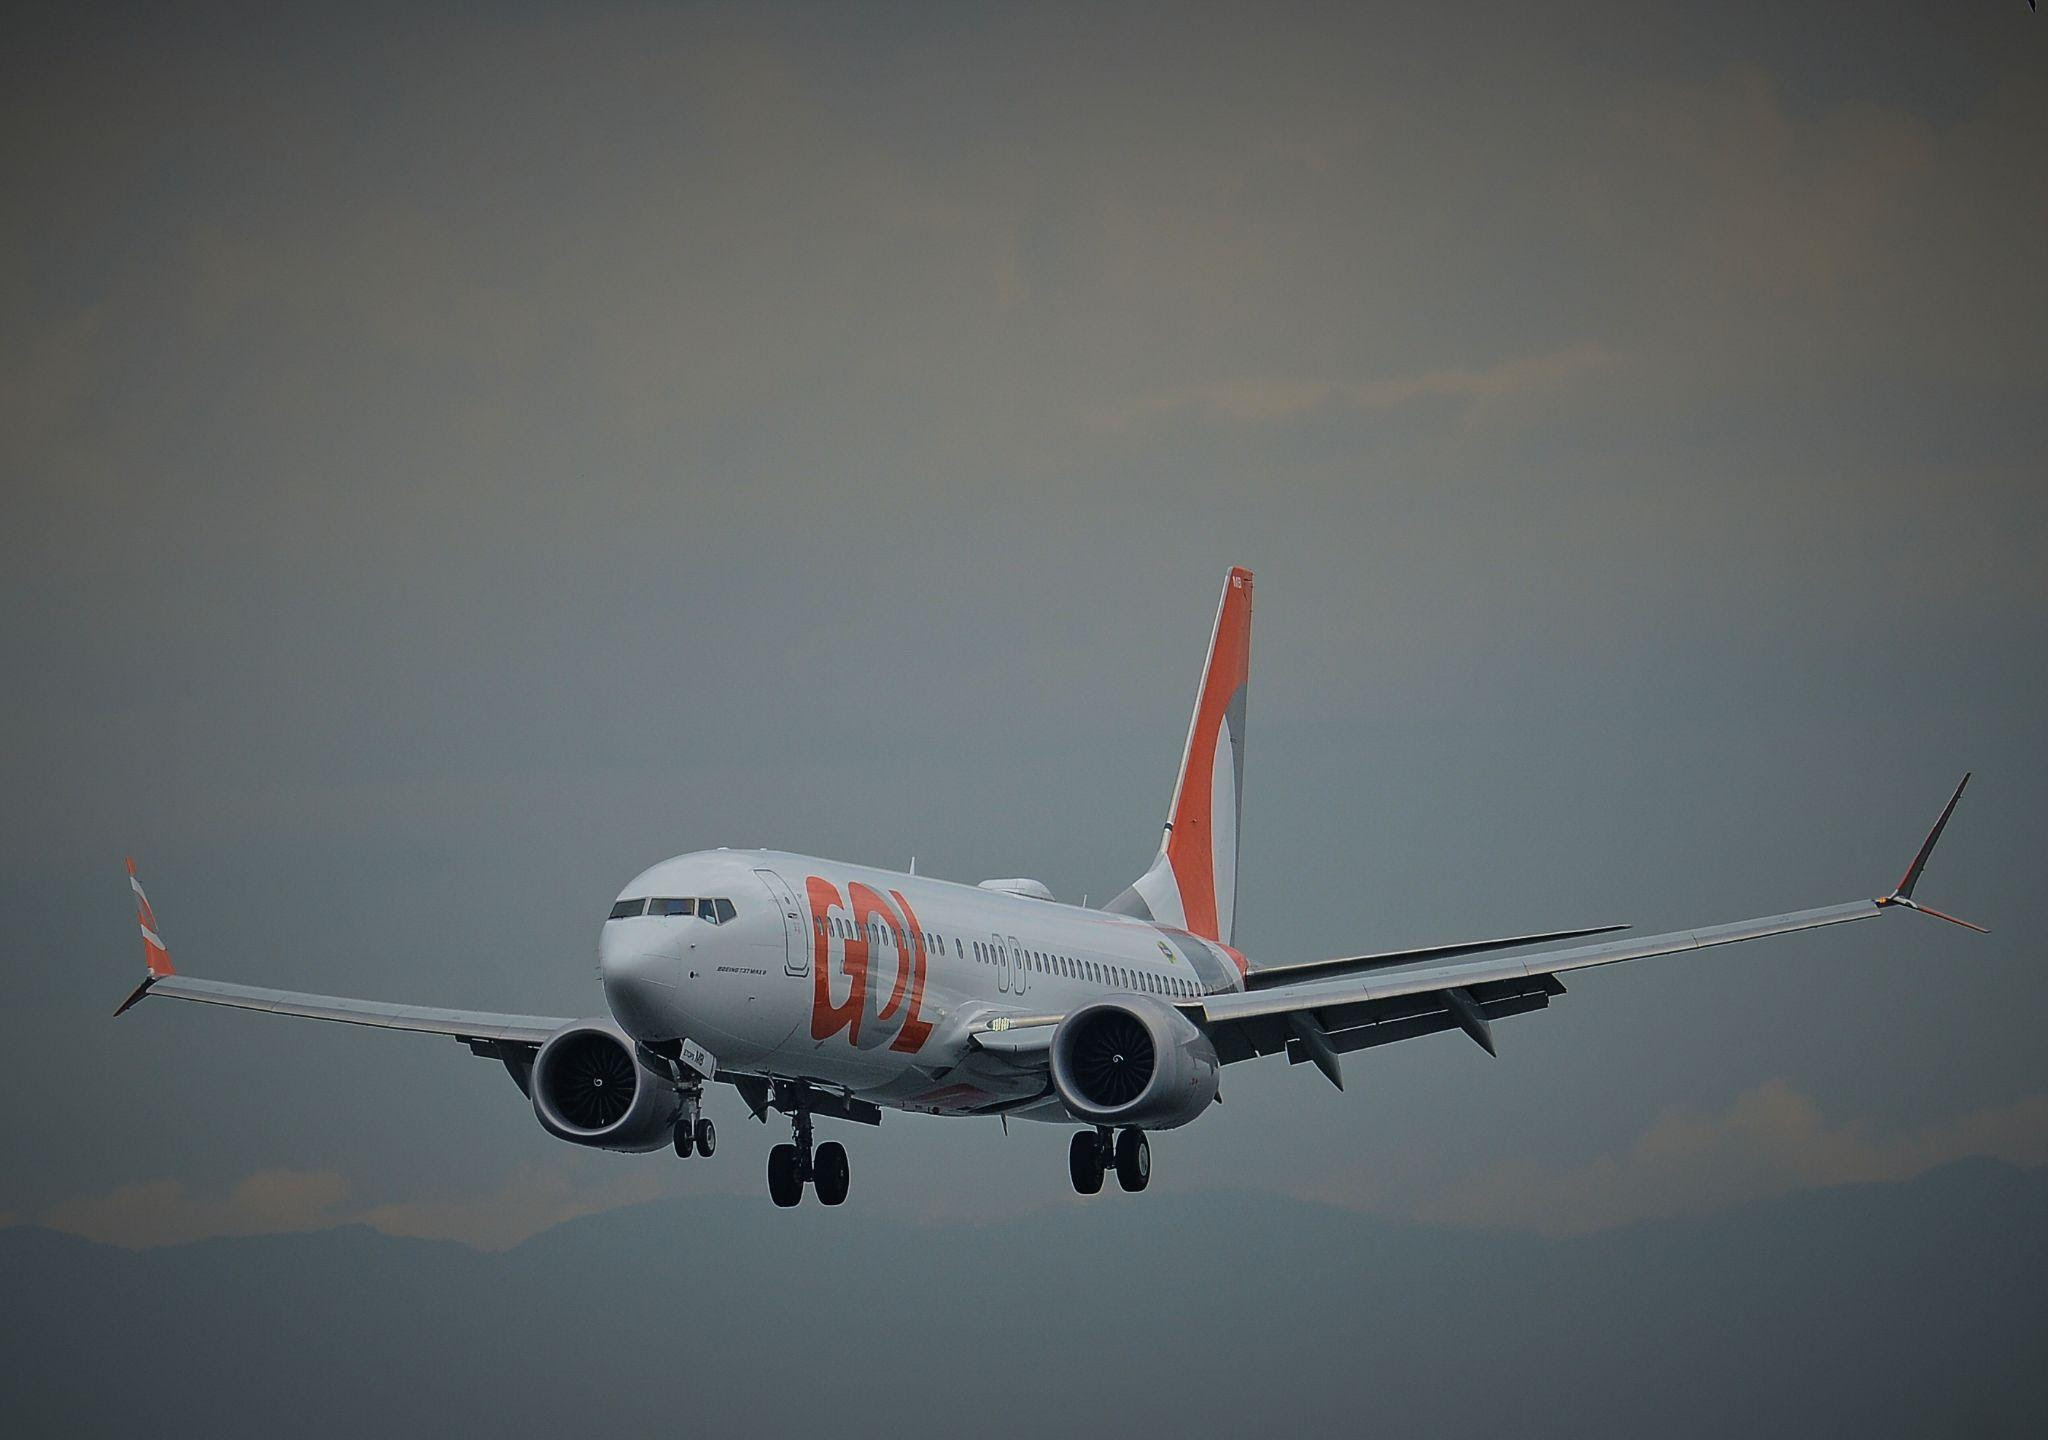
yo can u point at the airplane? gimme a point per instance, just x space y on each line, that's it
818 988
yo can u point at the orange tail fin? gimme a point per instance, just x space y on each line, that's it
1193 881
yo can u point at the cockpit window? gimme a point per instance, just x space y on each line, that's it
717 911
625 908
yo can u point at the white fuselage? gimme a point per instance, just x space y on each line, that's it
873 981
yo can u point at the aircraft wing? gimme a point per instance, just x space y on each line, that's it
1318 1022
486 1032
481 1025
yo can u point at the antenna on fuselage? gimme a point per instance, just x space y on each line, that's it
913 864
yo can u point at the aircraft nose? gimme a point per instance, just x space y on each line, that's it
640 978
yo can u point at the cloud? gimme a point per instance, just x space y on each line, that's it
529 1202
273 1202
1771 1141
165 1212
1254 400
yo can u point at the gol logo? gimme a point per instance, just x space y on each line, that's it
864 908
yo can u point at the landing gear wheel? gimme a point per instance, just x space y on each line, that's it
1084 1162
684 1142
707 1136
830 1174
1133 1160
785 1176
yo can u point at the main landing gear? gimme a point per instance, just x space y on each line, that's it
1092 1153
792 1166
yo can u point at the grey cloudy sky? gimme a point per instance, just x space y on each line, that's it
452 460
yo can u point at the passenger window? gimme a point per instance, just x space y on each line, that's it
625 908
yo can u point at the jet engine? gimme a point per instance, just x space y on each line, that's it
591 1086
1133 1061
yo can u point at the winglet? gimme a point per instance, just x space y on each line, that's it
155 958
1903 895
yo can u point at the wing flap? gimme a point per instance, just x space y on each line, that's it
1426 1018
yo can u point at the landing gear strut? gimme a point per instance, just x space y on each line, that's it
792 1166
1091 1153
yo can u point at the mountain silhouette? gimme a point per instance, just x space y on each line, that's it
1911 1308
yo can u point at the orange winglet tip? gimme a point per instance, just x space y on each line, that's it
156 959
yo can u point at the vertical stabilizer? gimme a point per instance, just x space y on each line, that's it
1193 881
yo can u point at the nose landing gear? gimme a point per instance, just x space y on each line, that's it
1092 1153
694 1131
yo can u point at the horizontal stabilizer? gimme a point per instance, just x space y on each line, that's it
1266 976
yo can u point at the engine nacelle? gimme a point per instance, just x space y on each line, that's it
1133 1061
591 1087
